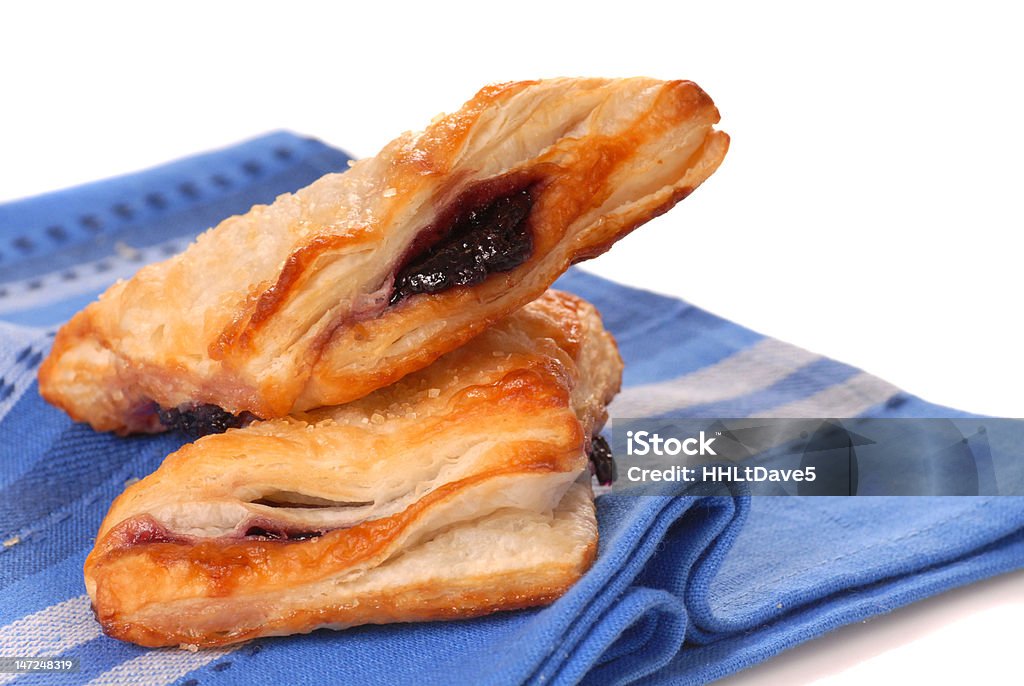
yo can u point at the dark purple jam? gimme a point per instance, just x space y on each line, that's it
199 420
142 530
489 238
603 461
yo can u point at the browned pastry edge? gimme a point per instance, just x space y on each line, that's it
458 599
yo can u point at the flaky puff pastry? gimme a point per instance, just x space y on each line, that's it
461 490
349 284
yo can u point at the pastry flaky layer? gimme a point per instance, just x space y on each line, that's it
460 490
365 276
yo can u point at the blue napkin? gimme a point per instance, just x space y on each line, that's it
684 590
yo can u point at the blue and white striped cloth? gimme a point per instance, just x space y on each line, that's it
685 590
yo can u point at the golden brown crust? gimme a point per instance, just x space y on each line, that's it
284 309
402 505
438 599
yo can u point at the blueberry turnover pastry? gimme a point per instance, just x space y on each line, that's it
365 276
460 490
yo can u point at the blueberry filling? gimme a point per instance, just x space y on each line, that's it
199 420
142 530
487 238
603 461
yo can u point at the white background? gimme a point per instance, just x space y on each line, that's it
869 209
